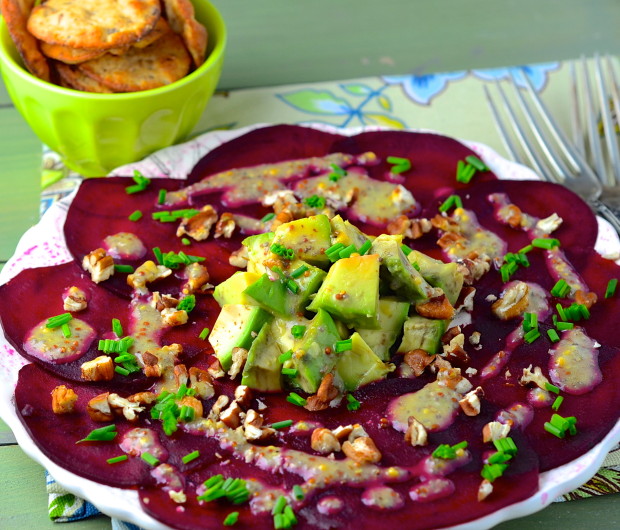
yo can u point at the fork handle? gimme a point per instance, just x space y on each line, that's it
607 213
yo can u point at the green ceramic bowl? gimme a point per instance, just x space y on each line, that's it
94 133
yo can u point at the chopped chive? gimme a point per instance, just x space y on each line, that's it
296 399
506 445
204 333
563 326
550 428
353 404
499 458
117 327
290 515
279 521
187 303
158 255
186 241
298 492
285 356
135 188
149 459
561 312
135 216
121 370
66 330
190 457
292 286
125 357
333 252
552 388
58 320
526 249
545 242
158 215
343 345
406 250
291 372
560 289
453 201
299 271
491 472
315 201
347 251
584 311
231 519
553 335
117 459
161 198
298 331
400 165
557 403
444 451
102 434
125 269
278 507
477 163
531 336
365 247
282 424
268 217
213 480
611 288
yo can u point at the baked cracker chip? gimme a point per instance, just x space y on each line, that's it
180 15
100 24
160 29
15 13
69 55
72 77
161 63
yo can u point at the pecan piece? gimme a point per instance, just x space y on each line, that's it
151 365
63 400
513 302
197 278
225 226
437 307
494 430
362 450
239 356
200 381
99 265
416 434
99 369
418 360
148 272
99 409
324 441
173 317
470 403
198 226
196 404
75 300
232 415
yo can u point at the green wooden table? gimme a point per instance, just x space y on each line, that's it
276 42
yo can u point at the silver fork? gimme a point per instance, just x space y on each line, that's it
552 155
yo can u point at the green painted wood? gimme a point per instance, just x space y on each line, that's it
282 41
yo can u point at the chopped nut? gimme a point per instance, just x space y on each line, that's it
513 301
151 365
357 432
63 400
143 398
535 377
177 496
124 406
314 403
99 264
215 370
180 375
75 300
243 395
470 404
197 278
173 317
363 450
324 441
588 299
484 490
201 382
494 430
225 226
198 226
342 432
454 351
239 258
232 415
474 338
450 334
398 226
549 224
418 228
253 429
99 409
465 301
513 215
451 240
194 403
327 391
148 272
161 302
217 407
418 360
473 269
438 307
239 356
416 433
99 369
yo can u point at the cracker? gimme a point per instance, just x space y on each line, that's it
15 13
160 29
72 77
69 55
180 15
161 63
100 24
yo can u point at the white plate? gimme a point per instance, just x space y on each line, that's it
44 245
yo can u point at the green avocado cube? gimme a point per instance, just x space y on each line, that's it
359 365
259 250
397 271
421 333
271 295
346 233
262 370
392 315
350 292
308 283
281 330
308 237
446 276
313 355
236 326
231 290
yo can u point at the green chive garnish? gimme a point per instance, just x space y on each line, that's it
291 372
161 198
299 271
292 286
365 247
545 242
552 388
231 519
531 336
553 335
343 345
135 216
187 303
278 507
117 459
103 434
190 457
204 333
550 428
406 250
557 403
399 164
506 445
499 458
66 330
353 404
347 251
125 269
186 241
477 163
282 424
58 320
298 331
212 481
121 370
560 289
298 492
268 217
117 327
491 472
296 399
149 459
285 356
611 288
315 201
453 201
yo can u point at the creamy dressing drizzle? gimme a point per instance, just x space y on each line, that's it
382 498
51 345
574 363
518 415
432 490
124 245
141 440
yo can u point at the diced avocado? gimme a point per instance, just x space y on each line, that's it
350 291
392 315
308 237
359 365
446 276
235 327
259 249
397 271
421 333
262 370
310 357
308 283
231 290
281 331
271 295
346 233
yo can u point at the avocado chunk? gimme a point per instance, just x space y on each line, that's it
359 365
446 276
231 290
259 250
397 271
308 237
271 295
392 315
313 355
236 326
281 331
262 370
350 291
308 284
421 333
346 233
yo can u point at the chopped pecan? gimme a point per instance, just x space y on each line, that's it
513 215
484 490
324 441
253 429
327 391
99 369
215 370
127 408
343 431
473 269
454 352
173 317
99 409
201 381
163 301
398 226
419 227
239 356
196 404
437 307
451 240
225 226
470 404
218 406
197 278
63 400
143 398
513 301
99 265
314 403
180 375
445 223
232 415
148 272
586 298
416 434
536 377
362 450
450 334
494 430
243 395
549 224
239 258
418 360
357 432
198 226
283 216
151 365
74 300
